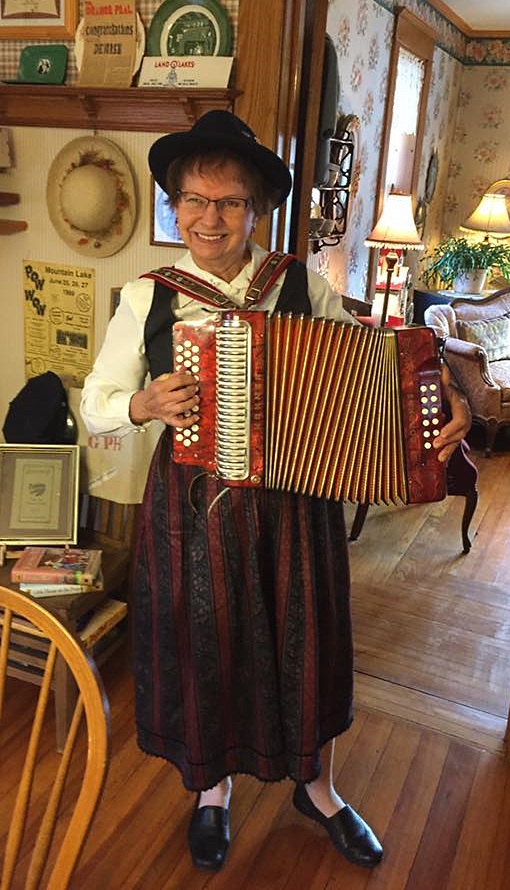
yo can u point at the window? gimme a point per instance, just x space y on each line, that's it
408 86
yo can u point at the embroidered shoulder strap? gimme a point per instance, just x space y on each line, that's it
186 283
272 267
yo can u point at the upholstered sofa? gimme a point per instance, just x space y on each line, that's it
477 349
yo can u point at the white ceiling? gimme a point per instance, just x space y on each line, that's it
482 15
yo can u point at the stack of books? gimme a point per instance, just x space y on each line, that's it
58 571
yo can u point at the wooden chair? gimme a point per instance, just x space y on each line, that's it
477 350
109 526
79 800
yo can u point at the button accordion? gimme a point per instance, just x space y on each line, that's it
314 406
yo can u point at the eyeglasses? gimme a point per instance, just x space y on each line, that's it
228 206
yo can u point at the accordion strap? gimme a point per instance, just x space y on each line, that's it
186 283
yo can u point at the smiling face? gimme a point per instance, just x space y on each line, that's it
217 240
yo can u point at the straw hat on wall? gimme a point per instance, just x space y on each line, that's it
91 196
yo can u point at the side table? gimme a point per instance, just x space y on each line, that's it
27 662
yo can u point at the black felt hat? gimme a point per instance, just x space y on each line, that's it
40 414
220 129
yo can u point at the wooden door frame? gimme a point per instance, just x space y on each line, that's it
274 74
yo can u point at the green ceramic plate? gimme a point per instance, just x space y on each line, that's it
190 29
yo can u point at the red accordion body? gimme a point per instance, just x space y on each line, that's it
314 406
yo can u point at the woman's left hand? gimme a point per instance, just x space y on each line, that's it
455 430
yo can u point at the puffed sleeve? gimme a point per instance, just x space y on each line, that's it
325 303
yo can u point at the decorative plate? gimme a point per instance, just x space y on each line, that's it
140 44
431 178
183 29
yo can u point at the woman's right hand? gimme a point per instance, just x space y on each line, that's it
170 398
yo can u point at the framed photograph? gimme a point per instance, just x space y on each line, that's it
38 20
164 229
39 485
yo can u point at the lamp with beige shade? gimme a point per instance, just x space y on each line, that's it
396 230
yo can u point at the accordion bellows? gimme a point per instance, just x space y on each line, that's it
314 406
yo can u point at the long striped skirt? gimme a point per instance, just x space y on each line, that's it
243 646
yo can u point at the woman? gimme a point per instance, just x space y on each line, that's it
242 617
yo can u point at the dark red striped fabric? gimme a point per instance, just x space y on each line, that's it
242 627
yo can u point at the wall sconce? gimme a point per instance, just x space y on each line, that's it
490 217
396 230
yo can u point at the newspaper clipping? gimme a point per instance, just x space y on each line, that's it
59 320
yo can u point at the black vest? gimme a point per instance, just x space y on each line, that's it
160 320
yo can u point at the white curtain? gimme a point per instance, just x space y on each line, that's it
408 85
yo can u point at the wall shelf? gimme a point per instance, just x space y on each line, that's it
334 199
145 109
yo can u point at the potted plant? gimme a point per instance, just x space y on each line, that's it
462 265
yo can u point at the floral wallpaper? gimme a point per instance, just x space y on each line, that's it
478 51
361 32
481 150
487 52
466 125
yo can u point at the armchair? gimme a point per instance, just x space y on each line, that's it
477 350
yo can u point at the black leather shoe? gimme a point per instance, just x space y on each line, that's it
352 837
209 837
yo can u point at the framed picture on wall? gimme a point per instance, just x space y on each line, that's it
38 20
39 486
114 299
164 229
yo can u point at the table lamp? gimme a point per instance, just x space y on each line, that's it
396 230
489 216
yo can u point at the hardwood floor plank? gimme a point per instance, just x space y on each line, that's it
410 814
463 652
466 724
480 860
444 824
354 774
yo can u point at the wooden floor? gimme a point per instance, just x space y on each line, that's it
424 761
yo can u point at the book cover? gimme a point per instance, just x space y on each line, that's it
48 588
103 619
57 565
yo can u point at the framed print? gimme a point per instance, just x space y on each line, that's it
164 229
38 20
39 485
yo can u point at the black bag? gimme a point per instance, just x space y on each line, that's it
40 414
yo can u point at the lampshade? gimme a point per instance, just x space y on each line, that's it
395 226
490 216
